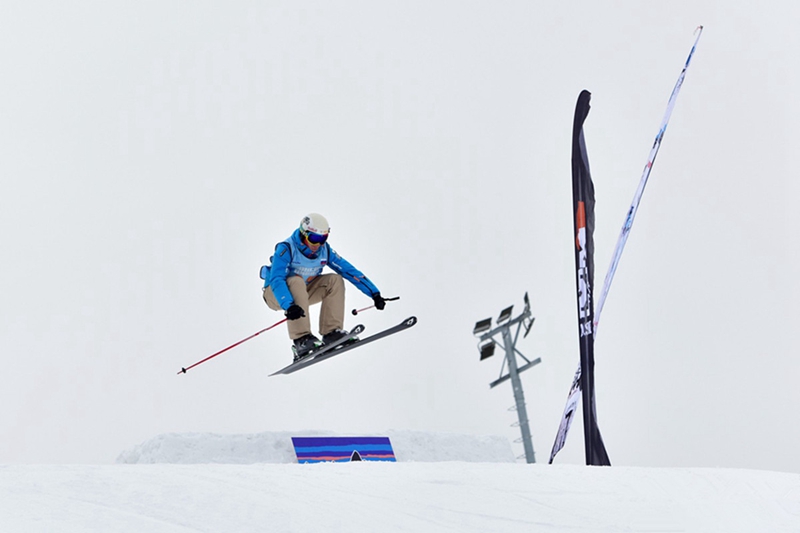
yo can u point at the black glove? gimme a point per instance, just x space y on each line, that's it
380 303
294 312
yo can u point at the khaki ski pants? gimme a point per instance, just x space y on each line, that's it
328 289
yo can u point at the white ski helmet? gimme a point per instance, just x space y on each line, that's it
315 228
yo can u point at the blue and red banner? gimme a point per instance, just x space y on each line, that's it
342 449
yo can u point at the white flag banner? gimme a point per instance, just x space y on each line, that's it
626 226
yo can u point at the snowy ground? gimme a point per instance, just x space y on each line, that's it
418 496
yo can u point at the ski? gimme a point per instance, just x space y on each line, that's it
326 354
318 352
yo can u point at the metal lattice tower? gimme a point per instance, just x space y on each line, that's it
486 345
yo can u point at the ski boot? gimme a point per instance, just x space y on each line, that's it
304 346
335 335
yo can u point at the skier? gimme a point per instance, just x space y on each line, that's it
295 280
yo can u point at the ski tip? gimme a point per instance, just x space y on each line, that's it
410 321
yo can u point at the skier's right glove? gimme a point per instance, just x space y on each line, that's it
294 312
380 303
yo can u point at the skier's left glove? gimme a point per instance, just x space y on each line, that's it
380 303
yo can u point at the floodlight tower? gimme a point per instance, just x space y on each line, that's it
486 345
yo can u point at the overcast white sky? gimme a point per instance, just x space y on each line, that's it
154 152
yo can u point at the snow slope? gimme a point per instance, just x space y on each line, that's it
410 495
387 497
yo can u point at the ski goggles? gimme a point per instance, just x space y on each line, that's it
316 238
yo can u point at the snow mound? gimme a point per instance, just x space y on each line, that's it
276 447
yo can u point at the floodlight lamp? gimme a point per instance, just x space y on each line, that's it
505 314
527 302
481 326
486 349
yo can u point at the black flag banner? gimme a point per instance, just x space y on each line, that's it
583 213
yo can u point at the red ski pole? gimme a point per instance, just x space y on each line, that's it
183 370
356 311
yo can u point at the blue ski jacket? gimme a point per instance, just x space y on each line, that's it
293 258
